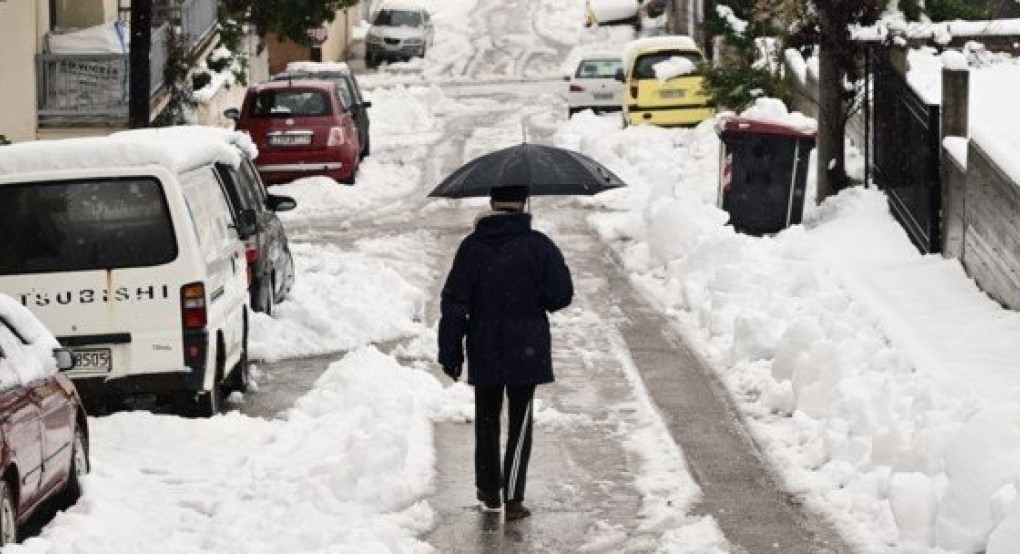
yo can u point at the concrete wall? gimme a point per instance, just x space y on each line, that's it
686 17
954 217
22 24
336 48
991 241
78 14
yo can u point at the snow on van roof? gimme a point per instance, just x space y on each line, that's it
681 42
237 138
317 67
177 151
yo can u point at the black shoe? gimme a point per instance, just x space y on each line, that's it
515 510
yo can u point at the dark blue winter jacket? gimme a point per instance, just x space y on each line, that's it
505 278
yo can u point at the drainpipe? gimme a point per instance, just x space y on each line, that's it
139 84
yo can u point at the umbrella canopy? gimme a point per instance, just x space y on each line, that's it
546 170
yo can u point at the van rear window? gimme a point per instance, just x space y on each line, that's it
644 66
84 225
290 103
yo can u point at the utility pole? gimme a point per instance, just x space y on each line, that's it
139 69
830 105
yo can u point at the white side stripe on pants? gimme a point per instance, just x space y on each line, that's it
511 487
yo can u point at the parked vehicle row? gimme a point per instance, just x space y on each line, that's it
311 119
144 252
44 434
657 80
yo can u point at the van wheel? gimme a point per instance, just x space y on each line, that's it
79 468
8 516
208 403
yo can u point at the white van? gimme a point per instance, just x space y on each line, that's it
128 252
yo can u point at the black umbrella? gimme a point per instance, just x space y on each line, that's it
546 170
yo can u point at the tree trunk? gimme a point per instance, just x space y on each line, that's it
831 120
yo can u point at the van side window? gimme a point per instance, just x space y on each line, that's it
237 187
85 224
209 209
252 175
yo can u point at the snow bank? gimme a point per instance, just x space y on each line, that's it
21 364
881 382
343 299
345 470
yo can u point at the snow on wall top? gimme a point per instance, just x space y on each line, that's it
22 365
994 87
942 33
176 150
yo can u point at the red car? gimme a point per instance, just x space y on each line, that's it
301 128
43 428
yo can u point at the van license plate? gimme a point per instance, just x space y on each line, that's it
92 360
671 94
290 140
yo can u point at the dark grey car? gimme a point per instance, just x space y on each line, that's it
270 264
350 96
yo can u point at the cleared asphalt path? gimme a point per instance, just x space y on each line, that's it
582 480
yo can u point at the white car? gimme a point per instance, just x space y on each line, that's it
127 249
593 86
400 30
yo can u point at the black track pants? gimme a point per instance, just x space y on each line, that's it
489 478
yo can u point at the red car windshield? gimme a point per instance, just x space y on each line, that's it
291 103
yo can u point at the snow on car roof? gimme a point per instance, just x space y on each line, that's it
401 5
40 362
176 151
317 67
680 42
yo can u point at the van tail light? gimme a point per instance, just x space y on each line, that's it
634 90
193 309
336 136
576 88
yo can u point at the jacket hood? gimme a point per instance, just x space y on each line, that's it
498 228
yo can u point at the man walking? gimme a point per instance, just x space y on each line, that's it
505 278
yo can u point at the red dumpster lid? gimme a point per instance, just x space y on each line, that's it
758 126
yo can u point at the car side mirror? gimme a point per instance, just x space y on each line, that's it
247 223
232 113
619 76
65 359
366 104
279 203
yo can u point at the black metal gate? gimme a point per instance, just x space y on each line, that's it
906 161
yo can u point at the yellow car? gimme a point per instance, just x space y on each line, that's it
663 82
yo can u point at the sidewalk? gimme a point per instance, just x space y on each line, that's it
587 483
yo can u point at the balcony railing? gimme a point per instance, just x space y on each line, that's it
93 88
